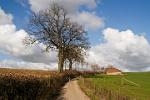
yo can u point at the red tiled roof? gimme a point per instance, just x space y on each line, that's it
112 69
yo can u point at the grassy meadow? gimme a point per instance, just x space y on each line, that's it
19 84
130 86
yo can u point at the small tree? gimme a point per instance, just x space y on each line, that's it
95 67
74 54
53 28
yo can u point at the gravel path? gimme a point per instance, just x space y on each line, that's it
72 91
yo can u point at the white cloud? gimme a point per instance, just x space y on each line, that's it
70 5
11 44
11 40
123 49
26 65
89 19
5 18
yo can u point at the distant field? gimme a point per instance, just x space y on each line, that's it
25 73
131 86
19 84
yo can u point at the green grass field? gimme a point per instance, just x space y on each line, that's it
134 85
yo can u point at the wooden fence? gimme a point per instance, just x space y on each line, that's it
102 93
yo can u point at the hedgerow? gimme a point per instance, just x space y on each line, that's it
32 86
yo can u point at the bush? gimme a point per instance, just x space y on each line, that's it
17 86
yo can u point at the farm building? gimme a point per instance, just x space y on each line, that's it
112 71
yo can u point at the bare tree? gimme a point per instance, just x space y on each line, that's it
74 54
95 67
53 28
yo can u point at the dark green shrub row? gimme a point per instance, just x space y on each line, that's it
19 87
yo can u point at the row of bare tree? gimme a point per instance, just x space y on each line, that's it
53 28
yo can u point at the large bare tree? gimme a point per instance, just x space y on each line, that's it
53 28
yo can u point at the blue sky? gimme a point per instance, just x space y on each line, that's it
19 12
120 14
126 14
112 21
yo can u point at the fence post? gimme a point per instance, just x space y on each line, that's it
110 95
83 81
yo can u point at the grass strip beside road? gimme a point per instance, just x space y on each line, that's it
116 88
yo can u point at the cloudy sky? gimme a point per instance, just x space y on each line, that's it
118 32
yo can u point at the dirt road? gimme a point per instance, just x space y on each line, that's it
72 91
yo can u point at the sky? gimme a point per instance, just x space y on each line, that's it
118 31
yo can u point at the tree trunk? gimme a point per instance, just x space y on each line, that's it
60 60
70 64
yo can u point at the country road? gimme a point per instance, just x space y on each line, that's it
72 91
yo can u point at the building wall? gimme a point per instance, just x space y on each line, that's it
114 73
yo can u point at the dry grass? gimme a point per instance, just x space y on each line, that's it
25 73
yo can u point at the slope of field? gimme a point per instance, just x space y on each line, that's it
18 84
131 86
24 72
